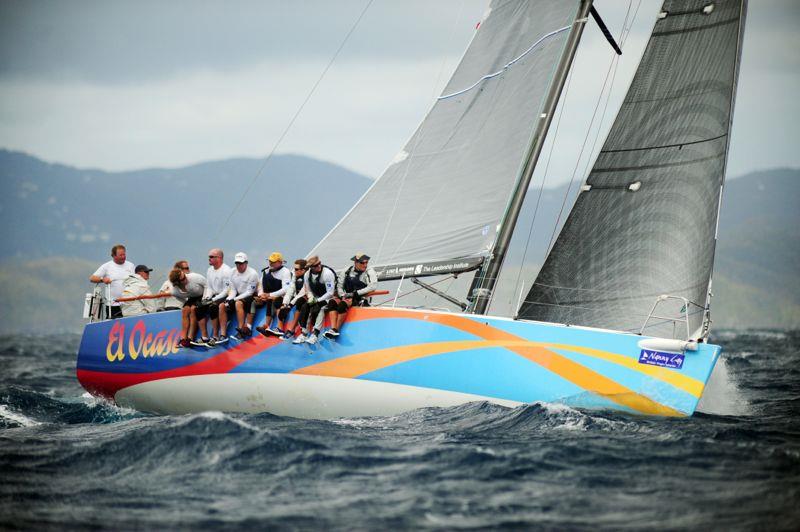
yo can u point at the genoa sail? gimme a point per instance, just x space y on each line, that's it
443 196
644 224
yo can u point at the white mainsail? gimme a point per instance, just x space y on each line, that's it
444 195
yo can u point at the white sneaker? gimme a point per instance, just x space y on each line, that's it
312 339
300 339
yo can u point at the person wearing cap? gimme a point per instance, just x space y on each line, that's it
136 285
275 281
188 288
320 285
295 298
214 303
114 273
353 286
242 290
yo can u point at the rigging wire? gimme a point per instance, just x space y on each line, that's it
294 118
612 72
622 38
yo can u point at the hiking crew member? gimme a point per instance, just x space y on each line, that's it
188 288
320 286
214 298
113 273
242 290
171 303
353 286
295 297
275 281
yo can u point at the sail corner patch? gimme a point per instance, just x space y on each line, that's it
665 360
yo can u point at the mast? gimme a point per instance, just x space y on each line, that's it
484 283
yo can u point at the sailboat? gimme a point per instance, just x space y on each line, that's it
617 318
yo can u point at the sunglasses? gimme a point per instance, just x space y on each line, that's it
213 256
184 267
299 269
363 262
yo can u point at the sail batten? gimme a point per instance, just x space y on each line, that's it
623 246
445 193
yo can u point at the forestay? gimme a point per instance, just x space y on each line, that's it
445 193
645 222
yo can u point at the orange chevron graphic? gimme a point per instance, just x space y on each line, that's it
362 363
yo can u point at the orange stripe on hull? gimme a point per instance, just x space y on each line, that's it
362 363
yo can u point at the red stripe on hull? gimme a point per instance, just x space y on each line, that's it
107 384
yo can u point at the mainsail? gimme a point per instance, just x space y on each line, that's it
445 193
645 222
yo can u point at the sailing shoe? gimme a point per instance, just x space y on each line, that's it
288 334
312 339
185 342
300 339
331 334
239 333
222 339
211 342
275 331
263 330
246 331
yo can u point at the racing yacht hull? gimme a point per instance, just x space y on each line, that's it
388 361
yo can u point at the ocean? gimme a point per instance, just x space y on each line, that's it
69 461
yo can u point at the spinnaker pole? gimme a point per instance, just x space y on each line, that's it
486 278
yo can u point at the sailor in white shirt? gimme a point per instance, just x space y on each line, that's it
320 285
218 279
275 281
113 273
242 290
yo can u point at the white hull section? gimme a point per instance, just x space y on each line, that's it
301 396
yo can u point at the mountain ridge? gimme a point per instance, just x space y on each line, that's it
61 226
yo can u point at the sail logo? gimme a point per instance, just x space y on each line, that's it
665 360
138 341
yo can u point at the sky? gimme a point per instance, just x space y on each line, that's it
121 85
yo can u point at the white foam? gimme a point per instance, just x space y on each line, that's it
722 396
20 419
220 416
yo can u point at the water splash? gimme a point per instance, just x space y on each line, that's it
721 395
14 418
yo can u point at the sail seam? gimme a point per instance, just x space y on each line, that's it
651 166
695 28
507 65
680 144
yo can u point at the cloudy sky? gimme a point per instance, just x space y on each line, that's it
122 85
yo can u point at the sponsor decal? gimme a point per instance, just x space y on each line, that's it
138 342
665 360
396 271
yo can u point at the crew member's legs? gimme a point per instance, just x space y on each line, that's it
222 311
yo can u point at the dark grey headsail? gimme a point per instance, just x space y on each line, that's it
443 196
644 223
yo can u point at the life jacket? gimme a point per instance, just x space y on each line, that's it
353 283
317 286
269 282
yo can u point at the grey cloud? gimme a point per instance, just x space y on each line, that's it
112 41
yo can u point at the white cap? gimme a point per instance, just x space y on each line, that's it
240 257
